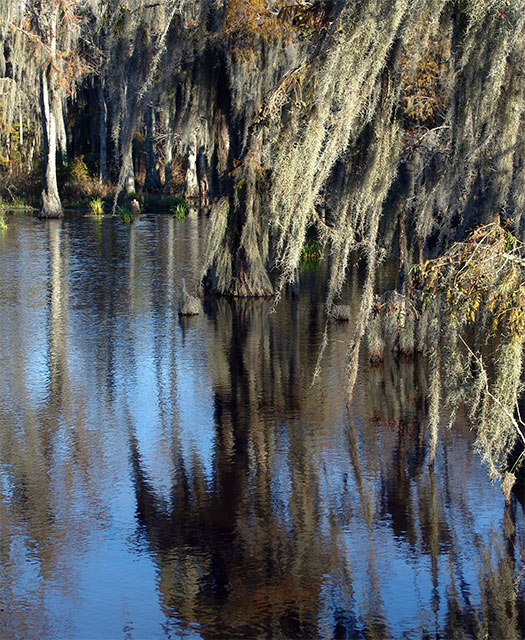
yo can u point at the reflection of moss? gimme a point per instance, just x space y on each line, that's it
497 617
397 393
392 326
3 223
375 340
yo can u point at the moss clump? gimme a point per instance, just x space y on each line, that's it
340 312
478 283
483 273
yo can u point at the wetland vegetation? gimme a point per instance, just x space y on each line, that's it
344 159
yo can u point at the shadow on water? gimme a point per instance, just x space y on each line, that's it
170 477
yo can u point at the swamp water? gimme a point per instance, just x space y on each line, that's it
181 478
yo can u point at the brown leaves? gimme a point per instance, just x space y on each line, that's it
485 272
424 94
247 20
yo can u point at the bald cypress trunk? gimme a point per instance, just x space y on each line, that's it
49 107
238 241
152 180
103 154
191 181
168 150
128 170
51 205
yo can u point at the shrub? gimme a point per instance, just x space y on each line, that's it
79 170
161 202
77 185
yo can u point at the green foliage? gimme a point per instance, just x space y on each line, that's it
3 224
96 206
311 250
180 210
16 203
124 212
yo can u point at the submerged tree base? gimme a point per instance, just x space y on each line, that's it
235 266
242 287
51 207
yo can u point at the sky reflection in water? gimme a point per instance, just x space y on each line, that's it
164 477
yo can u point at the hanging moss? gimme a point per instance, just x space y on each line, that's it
478 284
460 171
392 326
379 127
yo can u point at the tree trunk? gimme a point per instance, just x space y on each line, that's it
103 149
152 179
238 253
51 205
129 172
191 183
61 129
202 174
168 151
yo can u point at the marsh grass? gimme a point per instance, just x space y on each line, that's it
161 203
125 215
16 205
96 206
179 210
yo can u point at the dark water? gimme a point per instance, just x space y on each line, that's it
162 478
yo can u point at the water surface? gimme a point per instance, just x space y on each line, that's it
164 477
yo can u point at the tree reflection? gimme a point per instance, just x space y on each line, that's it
262 549
268 507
